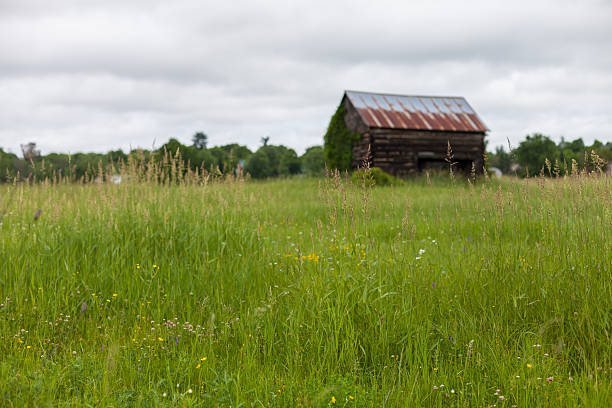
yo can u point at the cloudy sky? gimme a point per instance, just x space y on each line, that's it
81 75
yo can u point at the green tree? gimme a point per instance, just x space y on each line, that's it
313 161
199 140
258 165
29 151
339 142
228 156
290 163
532 153
278 161
7 165
500 159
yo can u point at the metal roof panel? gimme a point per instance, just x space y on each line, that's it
451 113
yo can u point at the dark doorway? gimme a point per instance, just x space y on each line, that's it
441 165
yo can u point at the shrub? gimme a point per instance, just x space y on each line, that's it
313 161
339 142
373 176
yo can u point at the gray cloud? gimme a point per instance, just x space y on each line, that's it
89 75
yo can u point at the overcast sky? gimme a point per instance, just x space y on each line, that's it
80 75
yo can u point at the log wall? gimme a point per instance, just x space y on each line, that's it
398 151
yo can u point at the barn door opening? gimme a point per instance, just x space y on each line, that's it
441 165
433 165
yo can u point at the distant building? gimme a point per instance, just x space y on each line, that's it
402 134
495 171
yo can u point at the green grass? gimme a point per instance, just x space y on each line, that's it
305 292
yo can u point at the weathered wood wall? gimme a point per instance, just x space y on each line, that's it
397 151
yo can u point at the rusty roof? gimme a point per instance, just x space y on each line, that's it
446 113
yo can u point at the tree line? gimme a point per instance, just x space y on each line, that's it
539 154
267 161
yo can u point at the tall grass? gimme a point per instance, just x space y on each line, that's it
178 291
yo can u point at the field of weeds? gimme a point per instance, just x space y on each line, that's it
307 293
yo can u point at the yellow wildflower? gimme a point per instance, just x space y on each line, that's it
333 400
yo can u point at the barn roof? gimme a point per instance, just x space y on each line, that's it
445 113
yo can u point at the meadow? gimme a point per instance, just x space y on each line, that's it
307 293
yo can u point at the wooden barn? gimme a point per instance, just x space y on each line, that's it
402 134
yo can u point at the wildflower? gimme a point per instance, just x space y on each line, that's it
198 366
501 398
333 399
529 365
570 379
164 395
545 354
114 295
549 379
189 391
435 387
452 391
203 359
160 339
421 251
351 397
433 285
74 353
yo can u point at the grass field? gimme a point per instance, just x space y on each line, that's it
307 292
